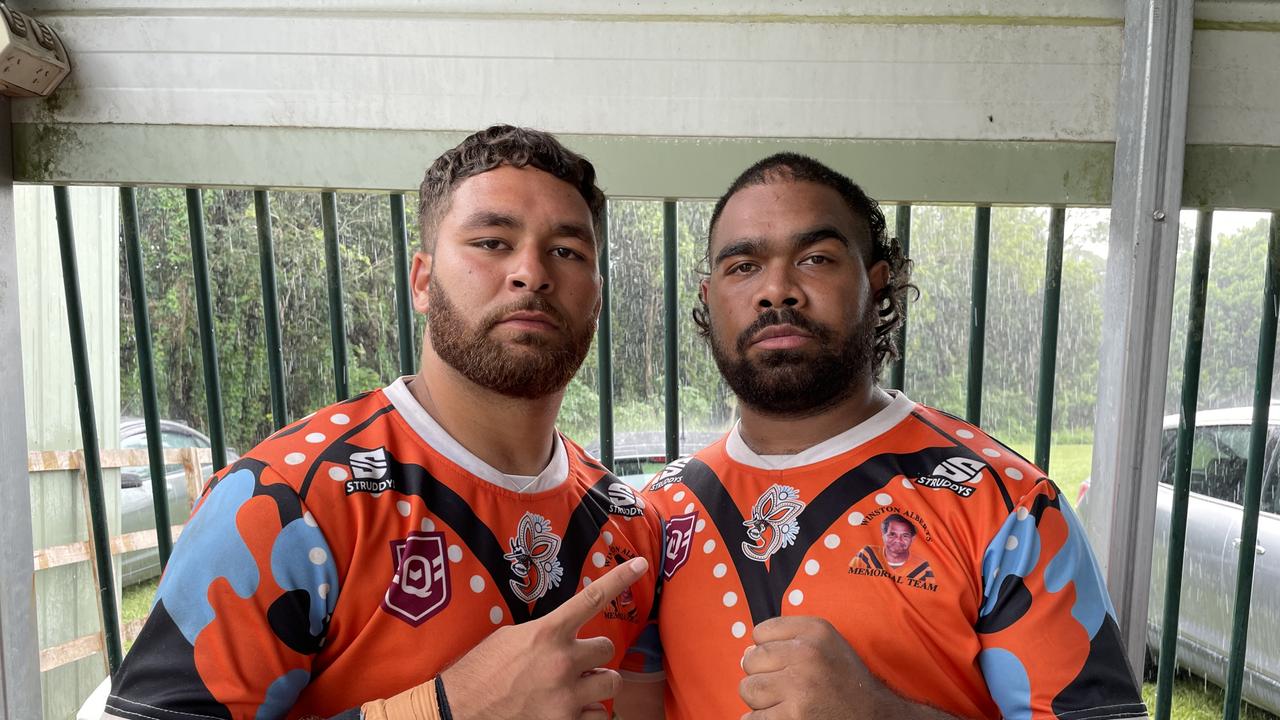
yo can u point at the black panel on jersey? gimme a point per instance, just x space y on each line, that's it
999 480
290 619
1013 599
578 539
159 684
288 505
1104 684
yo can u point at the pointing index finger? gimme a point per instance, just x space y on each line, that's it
594 598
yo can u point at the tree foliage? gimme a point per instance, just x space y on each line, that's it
937 348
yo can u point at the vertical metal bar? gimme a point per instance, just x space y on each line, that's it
1049 335
20 689
146 372
898 372
670 297
204 312
337 320
1137 302
88 428
404 309
604 347
271 308
978 317
1182 467
1248 540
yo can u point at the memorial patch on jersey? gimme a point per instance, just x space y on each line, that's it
623 500
774 522
623 607
533 558
420 586
956 474
678 540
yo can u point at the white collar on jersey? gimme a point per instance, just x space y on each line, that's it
890 415
431 433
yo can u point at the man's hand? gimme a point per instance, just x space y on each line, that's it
801 668
540 670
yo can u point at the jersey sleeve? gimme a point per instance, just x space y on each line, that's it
1050 643
241 612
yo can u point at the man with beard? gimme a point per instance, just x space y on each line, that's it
421 551
762 613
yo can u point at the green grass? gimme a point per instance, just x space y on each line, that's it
1069 464
135 603
1195 699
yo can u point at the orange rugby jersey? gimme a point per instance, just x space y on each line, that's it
953 567
346 559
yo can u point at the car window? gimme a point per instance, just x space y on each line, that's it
1168 449
172 439
1219 458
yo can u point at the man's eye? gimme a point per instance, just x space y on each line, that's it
566 253
739 268
816 260
488 243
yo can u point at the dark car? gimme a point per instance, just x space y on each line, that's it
137 511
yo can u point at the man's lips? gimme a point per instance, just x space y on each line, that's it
780 337
530 320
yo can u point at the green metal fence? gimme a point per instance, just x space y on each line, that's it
671 313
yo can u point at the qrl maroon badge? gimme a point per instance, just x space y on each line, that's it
420 587
680 529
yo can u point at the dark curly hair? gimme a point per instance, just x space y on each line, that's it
891 300
503 145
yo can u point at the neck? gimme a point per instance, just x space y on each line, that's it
772 434
474 415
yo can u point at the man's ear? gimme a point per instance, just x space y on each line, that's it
878 276
702 290
420 281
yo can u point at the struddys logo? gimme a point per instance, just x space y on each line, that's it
678 539
623 500
671 474
420 586
959 474
370 472
533 558
774 523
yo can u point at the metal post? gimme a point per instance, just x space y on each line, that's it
99 535
19 647
671 314
1049 335
146 373
604 348
898 372
1151 112
404 308
978 317
270 308
1247 543
204 314
1182 467
337 320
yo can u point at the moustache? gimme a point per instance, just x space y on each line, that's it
533 304
785 316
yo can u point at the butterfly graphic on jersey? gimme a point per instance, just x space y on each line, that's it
533 558
773 524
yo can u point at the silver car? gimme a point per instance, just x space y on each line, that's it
1219 456
137 511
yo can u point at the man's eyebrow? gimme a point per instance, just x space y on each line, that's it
490 218
746 246
575 230
817 235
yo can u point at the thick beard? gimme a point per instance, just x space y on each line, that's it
797 383
540 367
